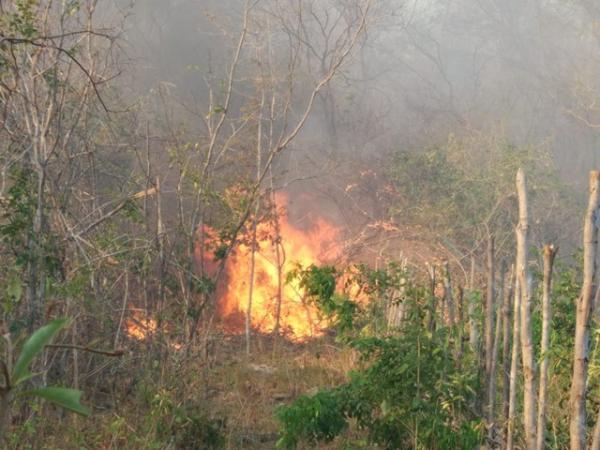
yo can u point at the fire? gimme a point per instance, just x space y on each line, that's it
139 326
315 245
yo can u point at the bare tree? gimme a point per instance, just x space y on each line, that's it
585 306
50 89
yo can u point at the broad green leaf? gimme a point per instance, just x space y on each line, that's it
34 345
64 397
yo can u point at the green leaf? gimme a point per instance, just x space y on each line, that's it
64 397
34 345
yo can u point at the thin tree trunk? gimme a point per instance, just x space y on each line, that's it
491 393
401 305
471 311
461 325
432 298
549 253
36 270
123 309
514 367
279 258
506 317
160 242
448 299
74 335
251 281
146 275
279 261
527 351
254 224
585 306
489 309
396 306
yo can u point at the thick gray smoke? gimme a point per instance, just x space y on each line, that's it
426 68
488 72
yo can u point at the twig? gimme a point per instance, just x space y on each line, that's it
115 353
94 83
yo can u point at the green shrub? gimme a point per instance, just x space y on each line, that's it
410 394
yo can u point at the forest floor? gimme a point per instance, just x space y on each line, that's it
226 400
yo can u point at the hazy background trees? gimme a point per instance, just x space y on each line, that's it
485 75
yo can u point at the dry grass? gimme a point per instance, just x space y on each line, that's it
239 392
248 389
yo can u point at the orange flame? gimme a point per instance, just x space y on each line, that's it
316 245
139 327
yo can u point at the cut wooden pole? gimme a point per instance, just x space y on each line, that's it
585 305
527 351
549 252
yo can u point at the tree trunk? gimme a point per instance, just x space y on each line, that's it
432 298
448 299
471 311
514 367
506 316
491 392
36 270
549 254
248 324
461 325
489 310
577 427
162 267
396 305
279 261
527 351
254 248
279 251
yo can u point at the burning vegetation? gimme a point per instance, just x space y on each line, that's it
278 303
139 326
